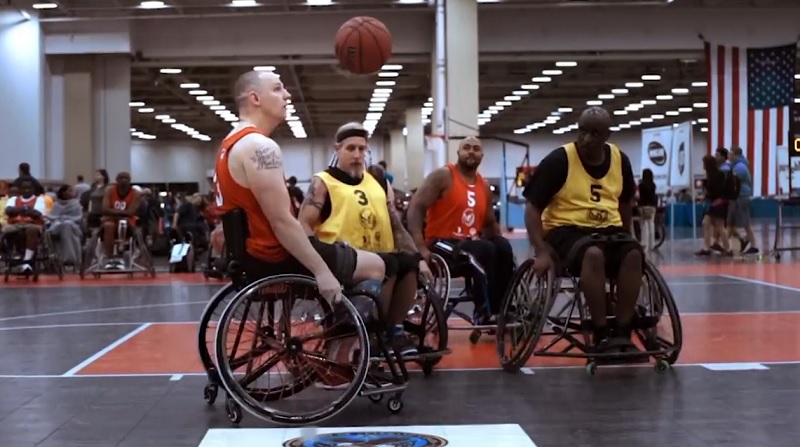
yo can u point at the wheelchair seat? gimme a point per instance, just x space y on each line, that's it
547 316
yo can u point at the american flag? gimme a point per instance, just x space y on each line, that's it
751 91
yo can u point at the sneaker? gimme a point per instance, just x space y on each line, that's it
750 251
703 252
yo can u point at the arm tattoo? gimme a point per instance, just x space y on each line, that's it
402 240
310 199
266 158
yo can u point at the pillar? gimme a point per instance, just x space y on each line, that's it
396 160
415 148
22 105
439 88
88 115
461 64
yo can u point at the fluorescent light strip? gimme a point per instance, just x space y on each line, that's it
380 96
523 90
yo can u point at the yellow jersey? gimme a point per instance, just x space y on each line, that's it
584 201
359 215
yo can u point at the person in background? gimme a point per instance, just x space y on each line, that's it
25 213
188 221
4 196
66 225
24 171
92 200
739 209
648 203
716 209
295 192
81 187
386 174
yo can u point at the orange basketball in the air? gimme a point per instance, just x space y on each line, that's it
363 45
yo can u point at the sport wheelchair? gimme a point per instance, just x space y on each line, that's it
452 264
527 318
130 250
45 259
309 362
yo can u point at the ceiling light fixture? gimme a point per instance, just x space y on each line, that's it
243 3
45 6
170 71
152 5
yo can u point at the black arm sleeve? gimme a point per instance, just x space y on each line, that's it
548 179
628 182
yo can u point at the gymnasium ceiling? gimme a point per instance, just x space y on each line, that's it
324 98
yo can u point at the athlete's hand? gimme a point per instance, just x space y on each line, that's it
329 287
542 263
426 254
425 272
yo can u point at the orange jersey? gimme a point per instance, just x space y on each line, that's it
33 202
261 242
460 214
122 203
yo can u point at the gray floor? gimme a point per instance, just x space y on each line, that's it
47 331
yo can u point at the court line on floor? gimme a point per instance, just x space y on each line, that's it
174 376
105 350
464 328
761 283
105 309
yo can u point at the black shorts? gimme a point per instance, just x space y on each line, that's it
339 257
562 239
718 211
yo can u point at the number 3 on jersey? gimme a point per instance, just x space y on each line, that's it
471 199
595 193
362 197
217 192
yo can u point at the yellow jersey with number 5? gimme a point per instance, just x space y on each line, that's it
585 201
359 215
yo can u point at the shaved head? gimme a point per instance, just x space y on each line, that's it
250 82
594 129
470 141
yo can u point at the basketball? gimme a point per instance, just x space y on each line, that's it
363 45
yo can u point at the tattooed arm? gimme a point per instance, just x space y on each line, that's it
310 216
402 239
257 164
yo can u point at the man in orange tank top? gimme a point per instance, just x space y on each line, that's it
452 213
25 213
121 201
249 176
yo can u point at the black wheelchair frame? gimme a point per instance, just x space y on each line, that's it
45 259
531 308
90 264
370 379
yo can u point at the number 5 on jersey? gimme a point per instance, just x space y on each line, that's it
595 192
471 199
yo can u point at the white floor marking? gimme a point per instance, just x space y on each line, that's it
106 309
526 370
762 283
176 377
506 435
106 350
734 366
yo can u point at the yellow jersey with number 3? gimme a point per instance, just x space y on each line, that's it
359 215
585 201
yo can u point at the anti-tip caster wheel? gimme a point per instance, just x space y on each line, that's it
427 369
234 411
210 393
662 365
375 398
591 368
395 405
474 336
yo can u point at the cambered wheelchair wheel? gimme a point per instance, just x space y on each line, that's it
427 324
523 315
52 260
441 278
206 332
295 337
659 327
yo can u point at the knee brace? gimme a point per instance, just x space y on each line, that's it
371 286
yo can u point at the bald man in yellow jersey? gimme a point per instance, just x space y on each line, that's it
347 204
582 188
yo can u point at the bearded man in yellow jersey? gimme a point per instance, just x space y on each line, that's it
347 204
580 189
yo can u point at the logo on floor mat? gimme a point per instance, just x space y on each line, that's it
368 439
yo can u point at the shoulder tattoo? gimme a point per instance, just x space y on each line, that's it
266 158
